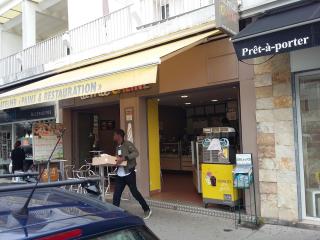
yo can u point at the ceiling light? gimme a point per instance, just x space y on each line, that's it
214 100
158 99
184 96
187 103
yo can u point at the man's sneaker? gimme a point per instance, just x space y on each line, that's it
147 214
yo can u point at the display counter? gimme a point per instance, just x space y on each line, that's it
173 157
170 161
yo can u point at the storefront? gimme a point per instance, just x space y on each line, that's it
16 124
183 119
287 90
91 120
193 91
204 87
202 67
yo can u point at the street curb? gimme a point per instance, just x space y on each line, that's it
302 225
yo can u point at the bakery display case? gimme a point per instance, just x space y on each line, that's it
175 156
170 157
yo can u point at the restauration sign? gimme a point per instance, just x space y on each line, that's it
86 87
227 16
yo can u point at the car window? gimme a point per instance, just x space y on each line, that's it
128 234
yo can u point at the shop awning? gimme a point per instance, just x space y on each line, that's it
295 28
124 72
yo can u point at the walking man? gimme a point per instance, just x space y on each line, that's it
126 175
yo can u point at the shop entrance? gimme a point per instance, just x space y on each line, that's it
182 119
93 131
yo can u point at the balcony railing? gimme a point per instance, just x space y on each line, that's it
164 9
47 51
101 31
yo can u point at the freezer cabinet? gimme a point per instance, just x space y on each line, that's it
217 184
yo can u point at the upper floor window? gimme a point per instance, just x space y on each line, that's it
165 11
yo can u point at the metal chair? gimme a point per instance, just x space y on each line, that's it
110 174
69 175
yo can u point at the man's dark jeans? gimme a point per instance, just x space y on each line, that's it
130 181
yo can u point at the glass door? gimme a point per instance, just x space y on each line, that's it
308 114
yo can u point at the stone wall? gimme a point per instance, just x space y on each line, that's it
275 139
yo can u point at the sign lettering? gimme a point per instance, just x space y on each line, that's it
287 40
12 115
115 92
275 48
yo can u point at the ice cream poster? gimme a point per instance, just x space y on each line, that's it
210 179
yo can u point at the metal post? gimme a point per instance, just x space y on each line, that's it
198 169
254 195
61 166
101 173
48 171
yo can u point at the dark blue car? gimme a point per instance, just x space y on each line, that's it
56 214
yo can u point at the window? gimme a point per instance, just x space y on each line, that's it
5 143
140 233
165 11
308 106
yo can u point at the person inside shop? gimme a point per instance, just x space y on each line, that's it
18 157
225 122
126 175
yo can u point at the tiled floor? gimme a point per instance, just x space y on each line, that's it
178 187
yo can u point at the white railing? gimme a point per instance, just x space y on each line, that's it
166 9
46 51
101 31
10 65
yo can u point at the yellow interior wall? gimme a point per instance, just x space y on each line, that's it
153 142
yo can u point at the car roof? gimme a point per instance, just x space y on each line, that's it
53 210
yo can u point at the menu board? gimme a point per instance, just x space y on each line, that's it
45 137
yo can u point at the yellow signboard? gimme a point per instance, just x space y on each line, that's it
217 183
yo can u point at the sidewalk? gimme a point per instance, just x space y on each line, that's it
171 224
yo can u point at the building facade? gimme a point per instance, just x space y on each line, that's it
286 83
163 71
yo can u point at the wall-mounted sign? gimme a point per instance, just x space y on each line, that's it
277 42
129 123
35 113
227 16
115 92
244 159
275 32
13 115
